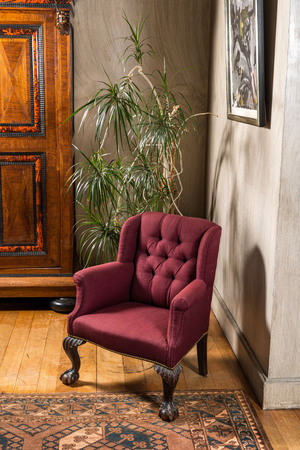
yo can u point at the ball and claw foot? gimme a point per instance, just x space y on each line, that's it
168 411
69 377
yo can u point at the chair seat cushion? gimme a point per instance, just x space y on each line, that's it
131 328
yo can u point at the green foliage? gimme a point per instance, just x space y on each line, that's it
147 124
137 47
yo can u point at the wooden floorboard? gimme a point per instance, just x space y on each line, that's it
32 359
50 365
14 351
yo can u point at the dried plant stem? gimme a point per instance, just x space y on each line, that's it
202 114
170 170
141 72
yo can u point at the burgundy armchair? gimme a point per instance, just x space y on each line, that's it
154 302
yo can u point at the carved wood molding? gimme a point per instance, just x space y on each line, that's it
52 4
62 7
168 375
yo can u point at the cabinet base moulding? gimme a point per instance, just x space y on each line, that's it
37 286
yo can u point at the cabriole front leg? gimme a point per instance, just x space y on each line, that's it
168 411
70 345
202 356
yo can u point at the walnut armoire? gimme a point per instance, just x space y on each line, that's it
36 215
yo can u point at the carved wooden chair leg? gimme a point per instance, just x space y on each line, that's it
70 345
168 411
202 356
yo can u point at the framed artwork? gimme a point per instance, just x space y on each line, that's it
245 61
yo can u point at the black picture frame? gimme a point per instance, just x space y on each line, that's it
245 61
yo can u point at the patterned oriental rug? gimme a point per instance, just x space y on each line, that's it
208 420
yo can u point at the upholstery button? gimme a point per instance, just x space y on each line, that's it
153 273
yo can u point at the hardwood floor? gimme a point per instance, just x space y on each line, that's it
32 359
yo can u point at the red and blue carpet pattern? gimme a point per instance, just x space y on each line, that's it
209 420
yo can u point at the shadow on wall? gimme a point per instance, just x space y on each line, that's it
254 324
234 174
243 275
221 160
224 211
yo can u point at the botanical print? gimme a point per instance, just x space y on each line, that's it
243 69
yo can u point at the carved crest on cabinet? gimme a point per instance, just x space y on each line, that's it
63 21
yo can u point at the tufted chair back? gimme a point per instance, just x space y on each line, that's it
166 256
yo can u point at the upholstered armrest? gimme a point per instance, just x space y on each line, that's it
101 286
191 294
188 319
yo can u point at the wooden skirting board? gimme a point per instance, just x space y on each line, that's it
272 393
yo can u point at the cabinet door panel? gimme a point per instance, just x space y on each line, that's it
21 80
22 206
15 80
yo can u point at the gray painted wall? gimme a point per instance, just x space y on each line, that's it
253 193
179 32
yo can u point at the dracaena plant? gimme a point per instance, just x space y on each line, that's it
148 121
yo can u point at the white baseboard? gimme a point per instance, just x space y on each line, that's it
272 393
